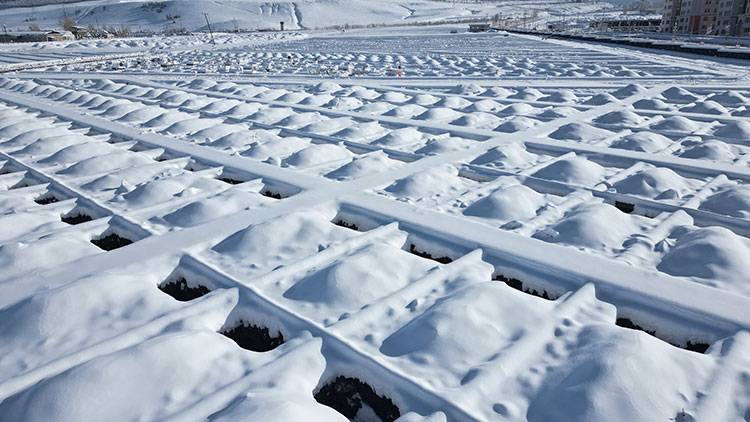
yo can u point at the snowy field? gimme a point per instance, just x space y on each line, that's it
159 15
374 225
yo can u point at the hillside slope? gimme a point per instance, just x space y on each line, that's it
259 14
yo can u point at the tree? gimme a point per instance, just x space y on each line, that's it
68 23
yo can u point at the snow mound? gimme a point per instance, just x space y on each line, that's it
141 115
593 382
44 323
579 132
505 156
601 99
399 137
265 150
706 107
477 120
241 140
213 207
317 154
372 163
739 130
596 226
557 112
362 132
106 163
730 99
566 96
425 99
517 124
329 126
676 124
679 95
440 114
443 144
344 103
656 182
498 92
517 202
467 89
163 189
326 87
406 111
731 200
643 142
621 117
78 152
131 372
281 240
651 104
714 254
333 285
629 91
527 94
450 330
518 109
711 149
576 169
436 181
456 103
24 257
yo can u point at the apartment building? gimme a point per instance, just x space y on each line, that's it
707 17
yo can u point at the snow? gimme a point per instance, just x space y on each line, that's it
281 240
594 226
713 254
515 202
732 200
575 169
514 229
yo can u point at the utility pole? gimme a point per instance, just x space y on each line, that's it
210 32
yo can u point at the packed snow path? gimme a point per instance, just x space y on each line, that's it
509 249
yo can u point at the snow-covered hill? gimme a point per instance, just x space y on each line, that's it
255 14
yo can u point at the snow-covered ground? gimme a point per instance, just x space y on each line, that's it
266 14
503 228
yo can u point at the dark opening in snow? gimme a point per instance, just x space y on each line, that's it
270 194
348 395
76 218
252 337
111 241
46 199
229 180
693 347
628 323
341 223
443 259
697 347
518 285
180 290
624 207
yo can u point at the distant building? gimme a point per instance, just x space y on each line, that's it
23 36
629 24
479 27
90 32
60 36
35 36
707 17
